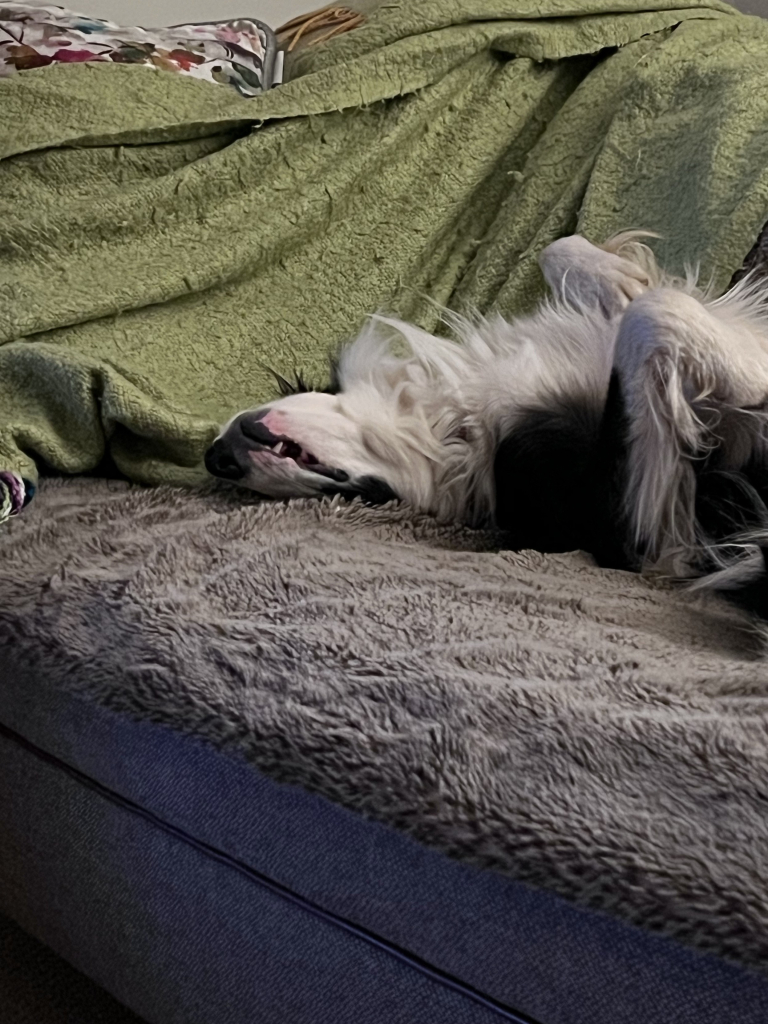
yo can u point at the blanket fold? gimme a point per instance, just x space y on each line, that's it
162 242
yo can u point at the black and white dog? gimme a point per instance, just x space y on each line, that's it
626 417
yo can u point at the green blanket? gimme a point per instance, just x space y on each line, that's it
163 242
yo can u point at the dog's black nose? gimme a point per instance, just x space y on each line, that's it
252 428
219 461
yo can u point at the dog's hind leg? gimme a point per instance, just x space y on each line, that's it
694 381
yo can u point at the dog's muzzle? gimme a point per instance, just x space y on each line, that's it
229 457
220 461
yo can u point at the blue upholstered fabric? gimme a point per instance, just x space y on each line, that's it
179 935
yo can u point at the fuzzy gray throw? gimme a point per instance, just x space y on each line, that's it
585 731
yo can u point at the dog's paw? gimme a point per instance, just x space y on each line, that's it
582 274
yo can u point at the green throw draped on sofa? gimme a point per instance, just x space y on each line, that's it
163 242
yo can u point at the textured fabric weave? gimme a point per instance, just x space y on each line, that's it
156 251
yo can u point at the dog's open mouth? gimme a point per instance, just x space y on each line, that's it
286 448
249 444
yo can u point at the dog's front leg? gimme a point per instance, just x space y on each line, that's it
585 275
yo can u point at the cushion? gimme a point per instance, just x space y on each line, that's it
238 53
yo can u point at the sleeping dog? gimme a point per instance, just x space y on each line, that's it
625 417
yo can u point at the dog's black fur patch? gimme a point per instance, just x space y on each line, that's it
730 503
733 504
559 478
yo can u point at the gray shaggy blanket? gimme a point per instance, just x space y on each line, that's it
582 730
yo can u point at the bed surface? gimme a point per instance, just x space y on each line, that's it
581 730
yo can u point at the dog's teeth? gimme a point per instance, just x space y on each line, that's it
278 449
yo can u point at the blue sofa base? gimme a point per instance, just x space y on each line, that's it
198 891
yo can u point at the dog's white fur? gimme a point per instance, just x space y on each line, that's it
426 414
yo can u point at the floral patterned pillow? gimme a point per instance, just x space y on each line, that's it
238 53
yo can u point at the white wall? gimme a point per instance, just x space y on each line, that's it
273 12
176 12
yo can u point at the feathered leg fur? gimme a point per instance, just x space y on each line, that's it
693 374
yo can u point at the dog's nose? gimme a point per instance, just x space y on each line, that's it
219 461
252 427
